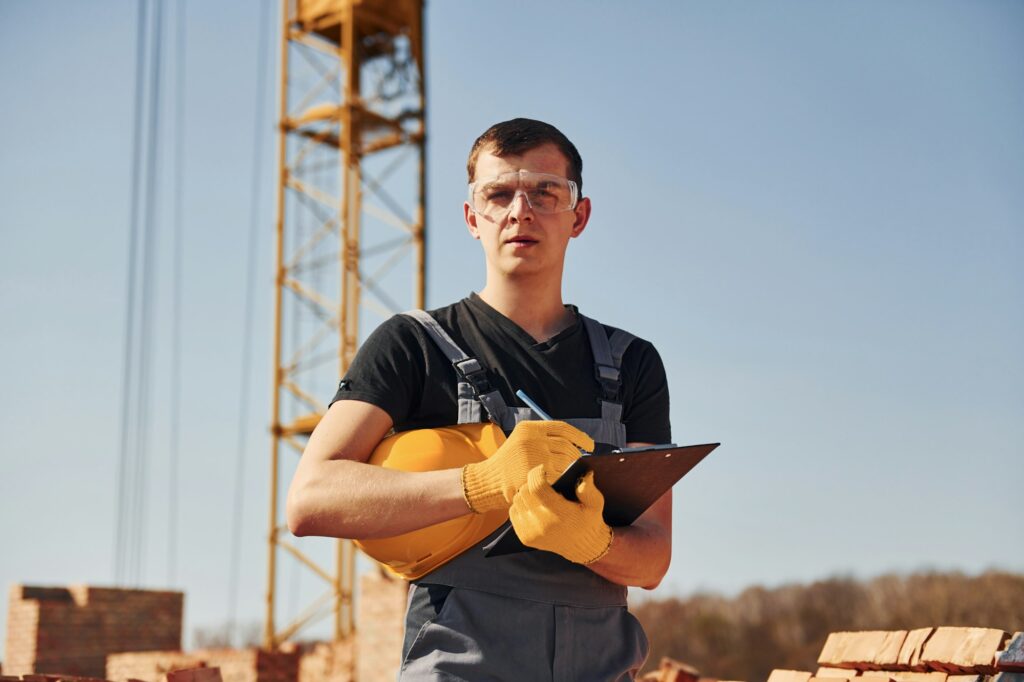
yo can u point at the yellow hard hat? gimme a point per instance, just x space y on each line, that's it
414 554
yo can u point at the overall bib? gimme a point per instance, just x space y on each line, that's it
532 615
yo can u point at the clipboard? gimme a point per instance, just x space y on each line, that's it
631 480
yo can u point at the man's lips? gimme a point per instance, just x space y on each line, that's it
521 240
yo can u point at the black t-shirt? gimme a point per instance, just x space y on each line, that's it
402 371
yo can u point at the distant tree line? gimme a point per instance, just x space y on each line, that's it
745 637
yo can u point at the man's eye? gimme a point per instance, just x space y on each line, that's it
498 195
551 188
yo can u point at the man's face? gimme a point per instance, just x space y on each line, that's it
525 242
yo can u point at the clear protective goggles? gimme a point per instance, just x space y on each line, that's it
544 193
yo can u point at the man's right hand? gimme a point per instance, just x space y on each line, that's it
493 483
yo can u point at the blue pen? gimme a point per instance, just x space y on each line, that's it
533 406
540 413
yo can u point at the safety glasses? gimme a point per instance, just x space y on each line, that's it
544 193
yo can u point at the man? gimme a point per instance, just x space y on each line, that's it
559 613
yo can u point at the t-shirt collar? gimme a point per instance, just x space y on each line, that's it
514 329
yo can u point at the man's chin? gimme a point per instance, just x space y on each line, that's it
520 267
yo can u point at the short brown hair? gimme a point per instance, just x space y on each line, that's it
520 135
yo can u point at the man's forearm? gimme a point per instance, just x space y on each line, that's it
345 499
335 493
640 554
638 557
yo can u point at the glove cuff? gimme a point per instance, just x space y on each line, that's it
482 489
607 547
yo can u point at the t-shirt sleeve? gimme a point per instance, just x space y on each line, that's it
646 409
388 370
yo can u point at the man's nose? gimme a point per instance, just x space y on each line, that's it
520 208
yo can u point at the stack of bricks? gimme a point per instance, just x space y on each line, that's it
671 670
150 666
136 634
944 654
380 617
71 631
198 674
374 654
49 678
236 665
328 662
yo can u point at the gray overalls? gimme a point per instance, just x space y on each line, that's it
533 615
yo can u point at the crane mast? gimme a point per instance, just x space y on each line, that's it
350 234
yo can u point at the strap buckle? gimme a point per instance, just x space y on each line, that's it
472 371
608 377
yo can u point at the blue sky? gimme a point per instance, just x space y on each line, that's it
814 210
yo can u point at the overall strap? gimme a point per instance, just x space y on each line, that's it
474 390
476 395
608 355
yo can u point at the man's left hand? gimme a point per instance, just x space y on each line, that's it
543 519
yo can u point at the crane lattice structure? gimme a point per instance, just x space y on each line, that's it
350 231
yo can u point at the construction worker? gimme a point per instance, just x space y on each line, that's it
555 614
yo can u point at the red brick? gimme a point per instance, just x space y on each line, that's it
963 650
781 675
913 646
199 674
671 670
867 650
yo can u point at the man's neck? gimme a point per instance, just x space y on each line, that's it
538 311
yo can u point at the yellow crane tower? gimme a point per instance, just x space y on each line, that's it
350 230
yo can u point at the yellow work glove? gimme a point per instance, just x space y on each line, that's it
543 519
491 484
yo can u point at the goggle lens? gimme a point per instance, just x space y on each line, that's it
545 193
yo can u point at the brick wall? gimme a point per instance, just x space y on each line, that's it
380 617
72 630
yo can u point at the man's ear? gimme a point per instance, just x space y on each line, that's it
582 215
470 218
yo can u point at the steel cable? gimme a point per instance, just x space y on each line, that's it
142 432
175 418
243 417
127 375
